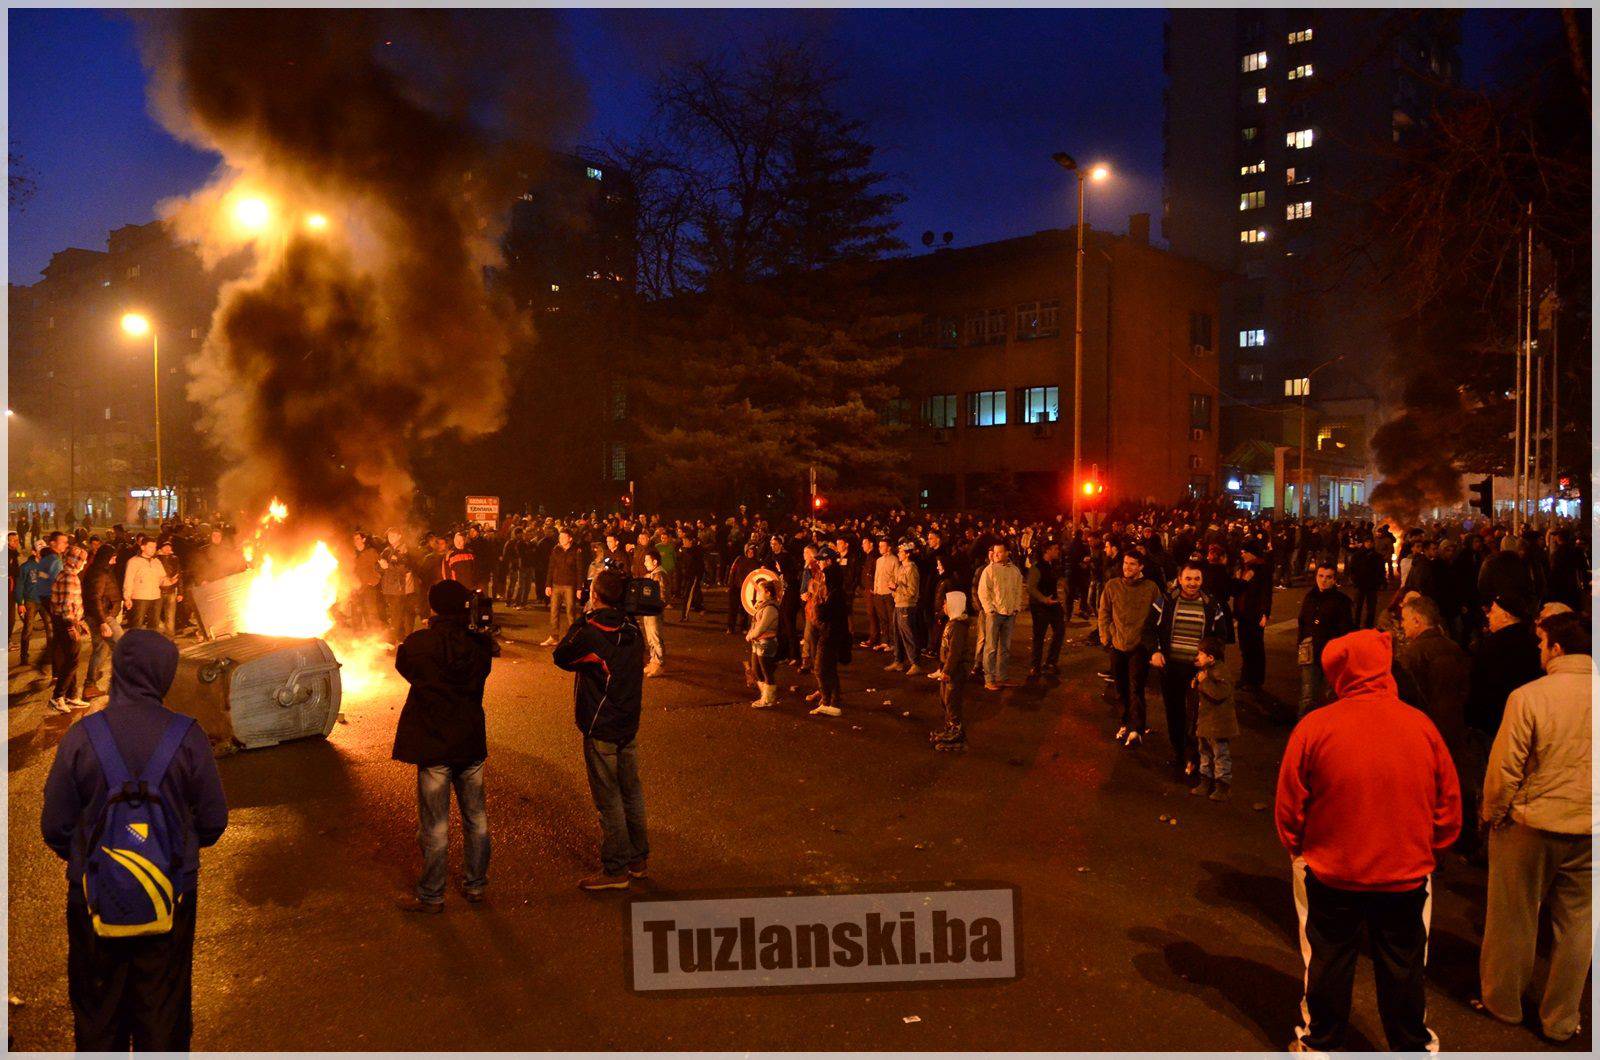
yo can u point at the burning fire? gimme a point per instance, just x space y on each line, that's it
296 596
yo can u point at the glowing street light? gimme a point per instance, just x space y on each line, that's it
252 213
317 222
1099 173
138 325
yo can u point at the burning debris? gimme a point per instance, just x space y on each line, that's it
368 161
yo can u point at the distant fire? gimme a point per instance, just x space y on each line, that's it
294 594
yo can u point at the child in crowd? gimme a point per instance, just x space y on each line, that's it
763 639
954 663
1212 714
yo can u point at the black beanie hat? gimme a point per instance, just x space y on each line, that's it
449 598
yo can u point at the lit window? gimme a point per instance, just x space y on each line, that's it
1293 175
986 408
1300 71
1299 138
1252 200
1261 94
194 333
1300 36
133 272
1039 404
1253 235
939 410
1298 211
1252 337
593 173
1254 167
1249 133
1252 62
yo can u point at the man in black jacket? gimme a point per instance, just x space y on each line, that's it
1252 610
1365 568
441 732
1325 615
605 651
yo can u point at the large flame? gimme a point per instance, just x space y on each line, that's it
296 595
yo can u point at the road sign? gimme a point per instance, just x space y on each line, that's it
485 511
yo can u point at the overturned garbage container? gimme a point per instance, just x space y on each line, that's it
251 689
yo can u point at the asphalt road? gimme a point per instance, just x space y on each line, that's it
1137 934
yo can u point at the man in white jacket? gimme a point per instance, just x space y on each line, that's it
1538 807
1001 595
141 586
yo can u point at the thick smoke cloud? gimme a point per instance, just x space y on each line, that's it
412 133
1414 450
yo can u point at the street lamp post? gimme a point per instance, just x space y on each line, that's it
1302 386
1098 173
138 325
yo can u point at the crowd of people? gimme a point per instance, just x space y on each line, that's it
1458 650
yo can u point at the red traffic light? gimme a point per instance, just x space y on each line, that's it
817 502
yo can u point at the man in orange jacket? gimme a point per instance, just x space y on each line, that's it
1367 796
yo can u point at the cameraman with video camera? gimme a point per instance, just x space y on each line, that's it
605 650
441 732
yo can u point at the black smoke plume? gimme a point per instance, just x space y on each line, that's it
1414 450
411 133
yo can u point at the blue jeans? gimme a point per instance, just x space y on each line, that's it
614 783
997 646
433 827
1216 759
103 647
1311 683
905 640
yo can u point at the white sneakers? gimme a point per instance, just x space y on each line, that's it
832 712
60 706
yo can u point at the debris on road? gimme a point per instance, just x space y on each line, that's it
910 1019
905 714
14 1001
1258 806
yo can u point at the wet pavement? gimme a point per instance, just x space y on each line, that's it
1137 933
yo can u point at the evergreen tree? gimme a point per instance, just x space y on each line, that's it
764 351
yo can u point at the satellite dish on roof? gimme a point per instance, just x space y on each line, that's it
948 237
927 239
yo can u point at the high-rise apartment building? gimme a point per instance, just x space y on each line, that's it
1281 126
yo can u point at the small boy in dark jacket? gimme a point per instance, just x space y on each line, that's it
1215 722
953 668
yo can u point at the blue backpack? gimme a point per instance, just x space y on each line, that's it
136 848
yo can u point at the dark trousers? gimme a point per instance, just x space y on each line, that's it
1252 653
1330 934
826 658
738 620
614 782
952 690
1175 678
1054 620
1366 608
35 612
905 637
883 613
873 633
131 993
398 611
1129 672
145 614
64 660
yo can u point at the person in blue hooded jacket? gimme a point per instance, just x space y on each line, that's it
133 992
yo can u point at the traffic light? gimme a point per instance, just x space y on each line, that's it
1483 499
817 501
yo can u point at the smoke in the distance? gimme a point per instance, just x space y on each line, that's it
369 159
1413 450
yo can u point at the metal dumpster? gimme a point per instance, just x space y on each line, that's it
252 689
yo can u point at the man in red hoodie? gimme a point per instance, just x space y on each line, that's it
1367 795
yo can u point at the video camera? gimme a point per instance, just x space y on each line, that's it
480 614
642 596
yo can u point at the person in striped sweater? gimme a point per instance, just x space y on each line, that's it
66 616
1183 618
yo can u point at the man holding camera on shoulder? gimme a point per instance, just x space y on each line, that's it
605 651
441 732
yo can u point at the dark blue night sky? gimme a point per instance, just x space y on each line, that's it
966 106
